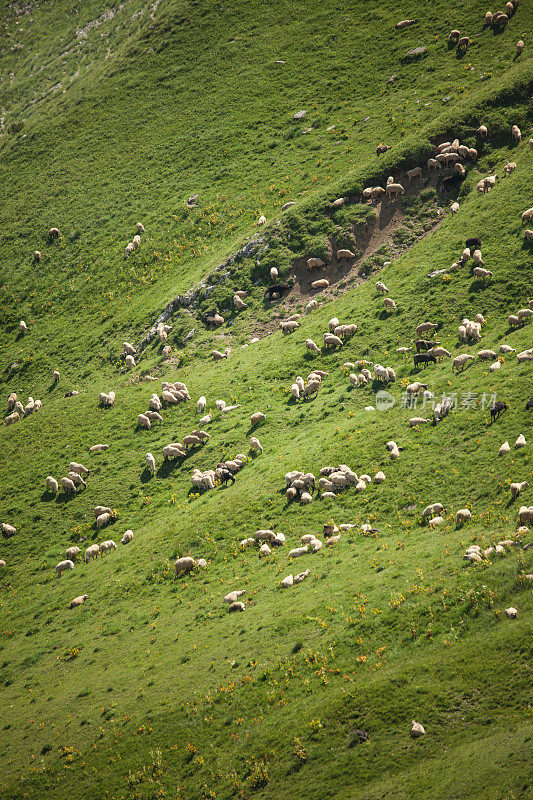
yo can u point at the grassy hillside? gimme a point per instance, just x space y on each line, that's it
151 689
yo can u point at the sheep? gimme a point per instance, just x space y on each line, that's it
52 485
405 23
394 190
287 582
462 516
482 131
416 172
139 227
8 530
520 442
525 514
459 362
516 488
516 133
314 263
53 233
78 601
426 327
433 165
11 418
150 462
511 612
323 283
463 43
295 391
498 408
136 241
255 445
381 288
238 606
130 247
103 519
486 355
106 400
238 303
525 355
191 441
256 418
63 566
143 421
439 352
107 546
289 327
311 306
519 47
417 421
433 508
388 303
376 192
76 479
330 340
91 552
380 149
264 550
183 565
524 314
345 255
68 485
504 449
232 597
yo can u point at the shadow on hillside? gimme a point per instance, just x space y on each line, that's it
146 475
477 284
65 497
47 497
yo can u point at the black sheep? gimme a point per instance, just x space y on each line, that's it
529 404
497 409
224 475
451 181
425 344
473 243
424 358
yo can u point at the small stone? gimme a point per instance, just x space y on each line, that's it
416 52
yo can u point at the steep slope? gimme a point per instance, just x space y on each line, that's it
151 688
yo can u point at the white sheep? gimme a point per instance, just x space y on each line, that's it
295 391
516 488
462 516
525 355
68 485
78 601
516 133
256 418
107 546
394 190
11 418
460 361
416 172
8 530
273 274
150 462
136 241
143 421
72 553
255 444
52 485
102 520
311 306
91 552
287 581
183 565
264 550
63 566
232 597
238 606
418 421
323 283
314 263
298 551
520 442
433 508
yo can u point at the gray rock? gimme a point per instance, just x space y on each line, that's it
416 52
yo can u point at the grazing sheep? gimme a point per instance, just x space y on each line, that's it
78 601
504 449
23 327
424 358
462 516
256 445
91 552
459 362
150 462
516 488
520 442
11 418
289 327
513 321
130 247
312 304
106 400
330 340
486 355
264 550
238 606
68 485
416 172
525 514
380 149
439 352
405 23
426 327
388 303
394 190
417 421
381 288
107 546
323 283
516 133
433 165
52 485
287 581
63 566
256 418
53 233
433 508
76 479
143 421
232 597
345 255
136 241
312 346
525 355
295 391
183 565
239 303
463 43
417 730
480 272
103 519
498 408
454 36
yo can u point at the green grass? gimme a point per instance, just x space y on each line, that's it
151 689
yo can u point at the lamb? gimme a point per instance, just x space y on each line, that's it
519 47
183 565
516 488
381 288
91 552
63 566
78 601
107 546
256 418
459 362
52 485
323 283
516 133
150 462
255 445
416 172
462 516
